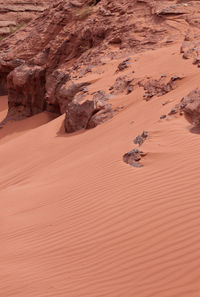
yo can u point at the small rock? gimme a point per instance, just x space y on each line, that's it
130 89
148 96
133 157
123 65
175 77
163 116
173 111
141 138
145 134
196 61
138 140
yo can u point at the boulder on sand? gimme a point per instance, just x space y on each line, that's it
79 114
190 105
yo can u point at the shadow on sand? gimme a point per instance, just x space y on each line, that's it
195 129
14 128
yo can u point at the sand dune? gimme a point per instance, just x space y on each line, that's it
76 221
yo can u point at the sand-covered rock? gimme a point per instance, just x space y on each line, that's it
72 33
158 87
134 157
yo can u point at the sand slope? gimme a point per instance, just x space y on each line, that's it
76 221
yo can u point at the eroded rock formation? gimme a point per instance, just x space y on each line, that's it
26 86
158 87
190 105
38 62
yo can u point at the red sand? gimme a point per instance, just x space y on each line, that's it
78 222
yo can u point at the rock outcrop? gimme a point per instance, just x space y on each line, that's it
158 87
122 83
26 87
70 35
190 105
86 114
191 45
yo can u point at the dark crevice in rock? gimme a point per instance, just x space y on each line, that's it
3 89
94 2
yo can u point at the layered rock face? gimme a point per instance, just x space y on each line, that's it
15 13
41 61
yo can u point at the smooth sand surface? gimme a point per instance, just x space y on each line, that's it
76 221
